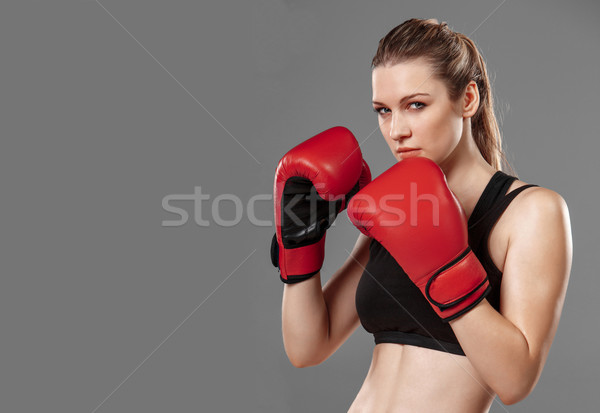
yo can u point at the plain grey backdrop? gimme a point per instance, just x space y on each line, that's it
111 107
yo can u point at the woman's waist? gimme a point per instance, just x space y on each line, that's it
405 375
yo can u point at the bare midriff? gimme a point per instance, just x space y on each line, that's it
405 378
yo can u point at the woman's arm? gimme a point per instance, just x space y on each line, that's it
315 321
509 348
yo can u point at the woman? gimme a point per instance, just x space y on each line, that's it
433 99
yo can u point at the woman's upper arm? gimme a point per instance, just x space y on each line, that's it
536 270
339 293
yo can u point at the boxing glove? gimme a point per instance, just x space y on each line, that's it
413 213
313 183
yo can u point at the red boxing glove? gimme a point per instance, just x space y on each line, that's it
411 211
313 183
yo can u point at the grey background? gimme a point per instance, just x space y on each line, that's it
105 111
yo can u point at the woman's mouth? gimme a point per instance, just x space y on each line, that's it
405 153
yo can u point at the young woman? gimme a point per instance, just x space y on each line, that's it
433 99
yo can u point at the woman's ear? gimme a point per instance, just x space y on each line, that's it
470 101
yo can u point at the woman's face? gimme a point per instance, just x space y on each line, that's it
416 116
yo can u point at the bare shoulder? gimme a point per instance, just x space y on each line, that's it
538 209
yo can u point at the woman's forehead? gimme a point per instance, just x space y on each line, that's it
404 79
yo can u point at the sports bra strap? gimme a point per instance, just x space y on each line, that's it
503 204
495 211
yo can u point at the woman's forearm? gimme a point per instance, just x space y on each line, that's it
305 322
499 351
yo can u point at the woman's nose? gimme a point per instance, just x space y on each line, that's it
399 128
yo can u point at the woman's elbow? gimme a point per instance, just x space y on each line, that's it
516 392
300 361
304 358
305 354
513 398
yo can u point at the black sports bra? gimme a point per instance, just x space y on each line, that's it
394 310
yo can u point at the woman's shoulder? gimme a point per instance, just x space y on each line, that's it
536 197
538 208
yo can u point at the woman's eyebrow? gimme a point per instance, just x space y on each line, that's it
405 98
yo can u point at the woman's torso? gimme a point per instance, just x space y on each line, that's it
407 378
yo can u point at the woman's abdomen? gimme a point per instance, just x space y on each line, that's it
405 378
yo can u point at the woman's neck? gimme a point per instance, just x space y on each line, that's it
467 173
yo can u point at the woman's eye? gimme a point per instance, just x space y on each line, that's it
422 105
379 111
383 111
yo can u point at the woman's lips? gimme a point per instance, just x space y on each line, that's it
408 152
